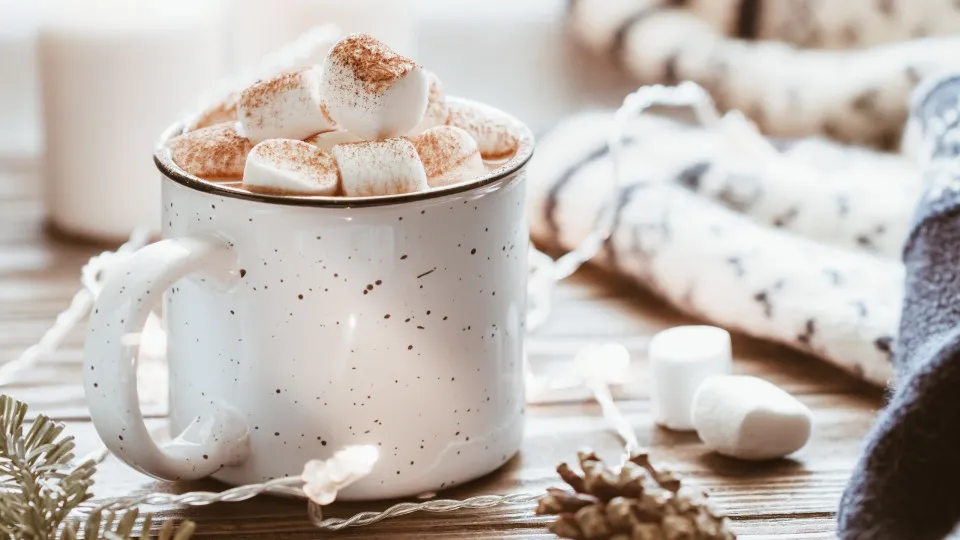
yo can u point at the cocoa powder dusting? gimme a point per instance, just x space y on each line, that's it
371 62
300 157
435 90
264 92
439 151
436 99
213 152
500 139
326 114
220 112
394 156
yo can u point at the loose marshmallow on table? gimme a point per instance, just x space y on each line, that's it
288 167
287 106
749 418
449 155
214 152
495 133
326 140
437 110
680 359
387 167
371 91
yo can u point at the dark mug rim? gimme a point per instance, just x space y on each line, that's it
506 171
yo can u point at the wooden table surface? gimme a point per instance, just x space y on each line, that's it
792 498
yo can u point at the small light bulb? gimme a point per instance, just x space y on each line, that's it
607 362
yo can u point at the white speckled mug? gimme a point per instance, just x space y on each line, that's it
298 325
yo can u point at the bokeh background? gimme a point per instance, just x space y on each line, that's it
512 54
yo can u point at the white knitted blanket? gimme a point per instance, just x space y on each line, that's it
839 68
802 251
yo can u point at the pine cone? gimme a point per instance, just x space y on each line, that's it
637 502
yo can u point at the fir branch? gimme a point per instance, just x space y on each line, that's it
39 487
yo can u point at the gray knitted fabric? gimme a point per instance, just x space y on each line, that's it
906 484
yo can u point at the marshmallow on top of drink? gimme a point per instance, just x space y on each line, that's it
368 122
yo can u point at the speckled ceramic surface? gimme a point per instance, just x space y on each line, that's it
295 330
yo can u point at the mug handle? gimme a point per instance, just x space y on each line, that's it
219 437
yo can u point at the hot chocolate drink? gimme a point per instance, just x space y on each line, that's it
344 262
366 123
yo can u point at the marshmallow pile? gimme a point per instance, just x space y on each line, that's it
737 416
368 122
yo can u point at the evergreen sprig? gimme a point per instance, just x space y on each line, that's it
40 486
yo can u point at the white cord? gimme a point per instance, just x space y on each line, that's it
292 485
547 272
288 485
68 319
614 416
97 456
540 283
402 509
687 94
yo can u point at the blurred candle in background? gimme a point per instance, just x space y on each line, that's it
257 27
19 99
114 74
